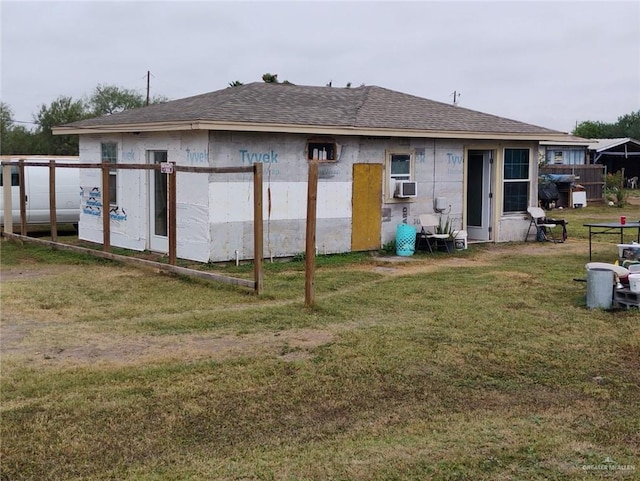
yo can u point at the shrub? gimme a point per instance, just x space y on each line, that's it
614 191
613 181
389 247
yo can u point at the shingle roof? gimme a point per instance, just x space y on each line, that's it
366 107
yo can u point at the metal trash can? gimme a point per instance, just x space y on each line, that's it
599 288
405 240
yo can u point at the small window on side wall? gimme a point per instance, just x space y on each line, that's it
401 184
322 149
109 154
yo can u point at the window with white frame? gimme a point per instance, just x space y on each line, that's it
516 180
109 154
399 167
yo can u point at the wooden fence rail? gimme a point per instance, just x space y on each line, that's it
256 169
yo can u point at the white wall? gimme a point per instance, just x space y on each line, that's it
215 211
130 223
285 195
439 170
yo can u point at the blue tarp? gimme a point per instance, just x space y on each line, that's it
570 178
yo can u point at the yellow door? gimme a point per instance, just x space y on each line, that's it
367 207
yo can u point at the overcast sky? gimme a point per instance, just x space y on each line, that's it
546 63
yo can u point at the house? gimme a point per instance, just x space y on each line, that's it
571 151
616 155
566 163
385 158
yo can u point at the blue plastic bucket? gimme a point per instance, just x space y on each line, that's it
405 240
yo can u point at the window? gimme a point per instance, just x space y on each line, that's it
15 175
516 180
566 156
557 157
400 168
322 149
109 154
160 195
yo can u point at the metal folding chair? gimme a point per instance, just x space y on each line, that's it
545 227
428 224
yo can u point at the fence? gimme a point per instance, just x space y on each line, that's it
168 168
591 177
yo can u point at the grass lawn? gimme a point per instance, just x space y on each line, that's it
482 365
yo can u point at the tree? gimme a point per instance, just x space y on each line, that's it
6 122
590 130
110 99
627 126
105 99
15 139
20 140
235 83
270 78
63 110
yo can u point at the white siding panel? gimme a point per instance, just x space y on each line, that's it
233 201
193 232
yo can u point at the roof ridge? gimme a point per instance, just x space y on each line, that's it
277 106
361 103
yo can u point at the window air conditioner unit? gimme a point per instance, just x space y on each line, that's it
406 188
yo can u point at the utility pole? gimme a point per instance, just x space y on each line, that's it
148 82
456 96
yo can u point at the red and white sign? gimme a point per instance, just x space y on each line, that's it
166 167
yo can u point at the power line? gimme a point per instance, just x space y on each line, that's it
24 122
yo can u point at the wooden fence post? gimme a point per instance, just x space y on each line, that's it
106 214
258 242
310 251
173 233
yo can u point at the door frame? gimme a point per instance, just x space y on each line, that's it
484 231
156 242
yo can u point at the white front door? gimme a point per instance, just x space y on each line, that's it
479 195
158 204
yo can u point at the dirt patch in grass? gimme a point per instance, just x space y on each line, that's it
56 342
25 272
119 350
634 199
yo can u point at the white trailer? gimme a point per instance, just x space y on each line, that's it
36 184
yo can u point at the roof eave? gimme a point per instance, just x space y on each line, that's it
565 143
305 129
615 143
